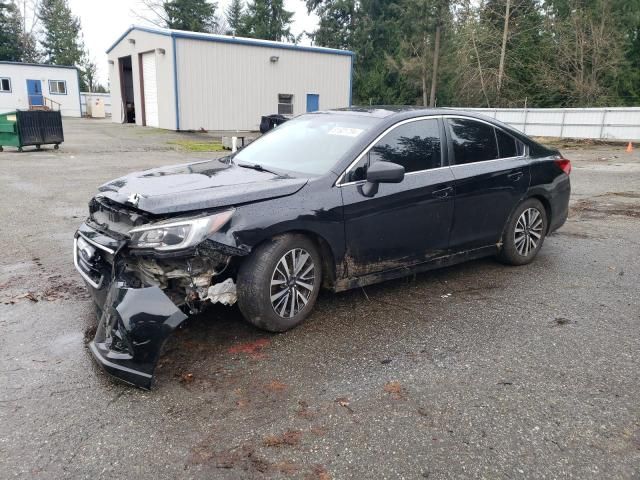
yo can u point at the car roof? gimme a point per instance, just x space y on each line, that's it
403 111
389 114
382 111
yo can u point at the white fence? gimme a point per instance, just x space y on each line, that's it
616 123
105 96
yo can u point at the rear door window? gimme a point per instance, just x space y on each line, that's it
414 145
472 141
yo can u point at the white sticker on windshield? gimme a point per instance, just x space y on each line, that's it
346 132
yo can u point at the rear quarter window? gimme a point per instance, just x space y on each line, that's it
507 145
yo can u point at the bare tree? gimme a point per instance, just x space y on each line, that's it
588 50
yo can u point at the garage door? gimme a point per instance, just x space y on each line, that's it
150 89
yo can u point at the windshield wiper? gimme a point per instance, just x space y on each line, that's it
256 166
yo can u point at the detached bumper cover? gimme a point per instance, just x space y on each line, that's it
134 325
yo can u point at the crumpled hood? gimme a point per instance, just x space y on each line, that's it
197 186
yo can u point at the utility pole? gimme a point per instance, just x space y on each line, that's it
503 50
434 74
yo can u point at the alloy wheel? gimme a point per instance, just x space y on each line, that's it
292 282
528 231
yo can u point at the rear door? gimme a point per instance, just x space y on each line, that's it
491 177
404 223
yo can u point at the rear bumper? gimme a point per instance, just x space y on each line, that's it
560 204
133 323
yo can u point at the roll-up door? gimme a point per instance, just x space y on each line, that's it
150 89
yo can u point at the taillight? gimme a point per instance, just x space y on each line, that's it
564 164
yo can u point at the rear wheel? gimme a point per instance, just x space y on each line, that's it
279 283
524 233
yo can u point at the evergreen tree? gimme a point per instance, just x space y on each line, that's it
29 46
337 23
192 15
268 20
11 46
62 42
234 15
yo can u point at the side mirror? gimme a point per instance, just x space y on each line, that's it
381 172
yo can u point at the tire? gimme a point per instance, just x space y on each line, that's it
524 233
263 284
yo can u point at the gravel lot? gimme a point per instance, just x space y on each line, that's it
475 371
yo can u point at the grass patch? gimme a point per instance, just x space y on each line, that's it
147 130
197 146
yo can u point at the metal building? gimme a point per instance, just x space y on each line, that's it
34 86
190 81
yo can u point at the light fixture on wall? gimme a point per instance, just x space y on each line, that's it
111 62
274 59
161 51
132 41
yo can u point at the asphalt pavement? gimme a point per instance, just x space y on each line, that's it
474 371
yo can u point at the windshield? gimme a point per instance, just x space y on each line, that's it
310 144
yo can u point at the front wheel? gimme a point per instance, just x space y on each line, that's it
279 283
524 233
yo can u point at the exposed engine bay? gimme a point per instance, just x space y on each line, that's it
190 282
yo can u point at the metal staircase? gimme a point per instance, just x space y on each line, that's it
40 102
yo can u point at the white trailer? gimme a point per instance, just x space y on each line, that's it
29 86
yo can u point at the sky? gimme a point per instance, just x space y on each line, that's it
104 21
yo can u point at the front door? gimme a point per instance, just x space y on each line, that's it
34 90
404 223
313 102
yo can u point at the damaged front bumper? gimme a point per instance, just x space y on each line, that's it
135 317
134 324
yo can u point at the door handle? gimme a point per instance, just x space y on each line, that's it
443 192
515 176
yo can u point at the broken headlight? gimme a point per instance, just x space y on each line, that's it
176 234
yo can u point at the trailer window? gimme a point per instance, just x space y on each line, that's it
5 85
57 87
285 104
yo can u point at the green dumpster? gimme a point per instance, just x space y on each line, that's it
23 128
9 130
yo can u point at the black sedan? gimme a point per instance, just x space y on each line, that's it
335 199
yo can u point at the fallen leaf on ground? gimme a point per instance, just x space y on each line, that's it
394 389
290 438
318 473
29 296
277 386
287 467
252 349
